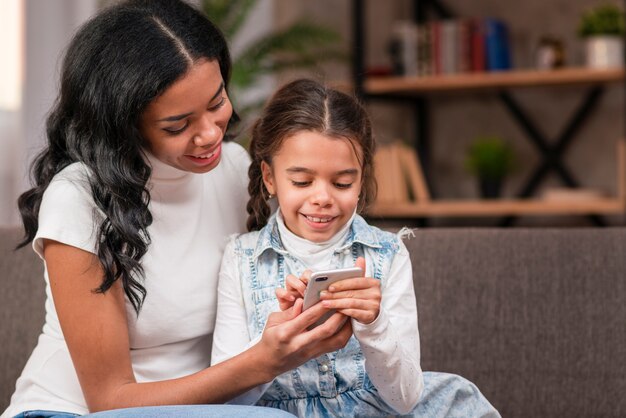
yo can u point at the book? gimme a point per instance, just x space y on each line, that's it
477 45
464 44
412 169
497 49
392 187
435 47
621 169
381 175
400 191
424 50
449 46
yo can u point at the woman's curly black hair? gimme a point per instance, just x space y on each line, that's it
116 64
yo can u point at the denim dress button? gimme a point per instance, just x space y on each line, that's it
324 367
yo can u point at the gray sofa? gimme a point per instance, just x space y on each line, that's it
535 317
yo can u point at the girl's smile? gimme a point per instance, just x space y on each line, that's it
317 180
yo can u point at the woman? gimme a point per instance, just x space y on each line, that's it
134 197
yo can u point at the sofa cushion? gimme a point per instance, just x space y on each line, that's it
536 318
21 308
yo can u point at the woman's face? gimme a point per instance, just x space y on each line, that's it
184 127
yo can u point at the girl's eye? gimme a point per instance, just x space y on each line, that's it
343 185
300 183
176 131
221 103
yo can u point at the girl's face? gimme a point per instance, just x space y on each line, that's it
185 125
317 180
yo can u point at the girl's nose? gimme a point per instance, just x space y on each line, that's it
322 196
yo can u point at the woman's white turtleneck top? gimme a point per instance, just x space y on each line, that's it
193 214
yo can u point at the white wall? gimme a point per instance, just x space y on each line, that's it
49 27
11 82
45 30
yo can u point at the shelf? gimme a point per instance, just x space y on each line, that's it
415 92
490 80
471 208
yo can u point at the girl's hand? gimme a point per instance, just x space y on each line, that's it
294 288
357 298
287 343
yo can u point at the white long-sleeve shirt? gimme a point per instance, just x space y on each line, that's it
390 343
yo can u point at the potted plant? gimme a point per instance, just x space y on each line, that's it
490 158
603 29
301 45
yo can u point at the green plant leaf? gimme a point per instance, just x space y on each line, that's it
606 19
301 45
228 15
490 158
298 46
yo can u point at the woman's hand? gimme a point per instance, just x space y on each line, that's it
294 288
357 298
286 343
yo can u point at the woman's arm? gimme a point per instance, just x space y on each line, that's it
95 328
231 335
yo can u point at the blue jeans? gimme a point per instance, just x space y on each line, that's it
183 411
45 414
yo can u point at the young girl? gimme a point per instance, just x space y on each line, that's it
312 148
134 197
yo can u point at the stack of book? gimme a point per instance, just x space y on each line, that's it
399 175
454 46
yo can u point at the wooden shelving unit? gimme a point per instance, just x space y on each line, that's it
478 208
416 92
491 81
511 207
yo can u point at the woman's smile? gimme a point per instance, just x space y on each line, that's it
208 157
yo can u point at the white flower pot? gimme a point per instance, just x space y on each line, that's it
604 51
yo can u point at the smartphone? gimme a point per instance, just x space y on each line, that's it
320 281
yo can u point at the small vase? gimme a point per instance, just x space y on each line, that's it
604 51
490 188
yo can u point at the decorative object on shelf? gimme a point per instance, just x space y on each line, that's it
300 45
569 194
550 53
490 158
603 29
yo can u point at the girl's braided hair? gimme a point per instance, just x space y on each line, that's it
306 105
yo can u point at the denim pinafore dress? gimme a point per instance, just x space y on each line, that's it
334 384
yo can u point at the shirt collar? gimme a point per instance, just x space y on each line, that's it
360 231
162 172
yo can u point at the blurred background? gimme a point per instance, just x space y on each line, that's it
488 113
